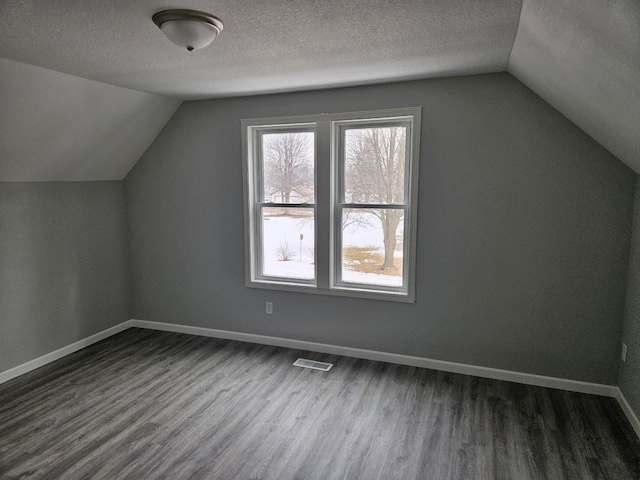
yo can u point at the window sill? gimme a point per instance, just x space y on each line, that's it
337 291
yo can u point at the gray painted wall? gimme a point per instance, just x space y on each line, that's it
630 370
523 235
64 266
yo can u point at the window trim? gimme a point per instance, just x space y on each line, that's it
325 186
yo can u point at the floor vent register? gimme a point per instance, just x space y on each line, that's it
304 363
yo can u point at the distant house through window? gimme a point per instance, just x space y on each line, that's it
330 204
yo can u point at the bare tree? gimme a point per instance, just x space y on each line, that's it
375 165
288 163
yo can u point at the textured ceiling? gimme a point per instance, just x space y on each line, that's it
582 56
266 46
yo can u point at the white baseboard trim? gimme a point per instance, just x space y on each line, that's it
452 367
476 371
61 352
628 411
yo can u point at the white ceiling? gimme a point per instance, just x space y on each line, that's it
266 46
583 56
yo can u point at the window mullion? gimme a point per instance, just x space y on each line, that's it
323 203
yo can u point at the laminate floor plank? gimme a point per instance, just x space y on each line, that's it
157 405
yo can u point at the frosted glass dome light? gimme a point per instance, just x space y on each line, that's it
188 29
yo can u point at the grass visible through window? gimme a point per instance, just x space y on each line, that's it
369 260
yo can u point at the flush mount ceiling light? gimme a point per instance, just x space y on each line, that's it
188 29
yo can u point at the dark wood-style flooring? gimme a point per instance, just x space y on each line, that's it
156 405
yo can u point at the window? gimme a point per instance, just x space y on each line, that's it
330 204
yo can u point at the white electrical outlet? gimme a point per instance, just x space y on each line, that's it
269 309
624 352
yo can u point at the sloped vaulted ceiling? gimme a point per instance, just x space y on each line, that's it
582 56
57 127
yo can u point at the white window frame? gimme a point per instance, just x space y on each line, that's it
328 188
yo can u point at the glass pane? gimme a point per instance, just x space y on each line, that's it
287 167
374 166
372 246
288 243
